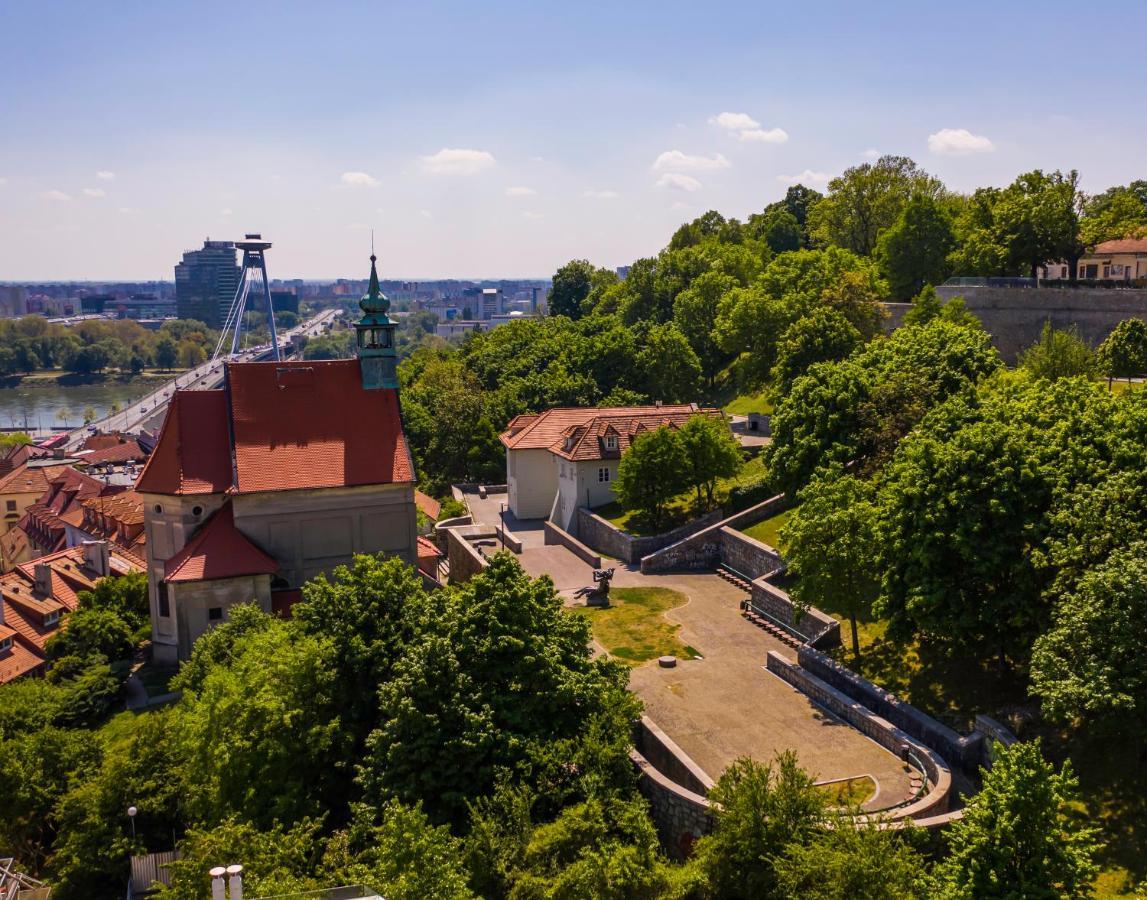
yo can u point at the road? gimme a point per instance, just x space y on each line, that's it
148 412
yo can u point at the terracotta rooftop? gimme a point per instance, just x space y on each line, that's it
193 455
116 453
429 506
542 430
590 440
280 426
24 604
25 480
1122 245
218 550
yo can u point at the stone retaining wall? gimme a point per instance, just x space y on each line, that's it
722 542
965 752
821 629
674 786
1015 316
555 535
607 538
464 559
864 720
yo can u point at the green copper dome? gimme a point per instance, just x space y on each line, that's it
374 301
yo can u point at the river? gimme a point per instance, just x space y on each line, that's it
38 407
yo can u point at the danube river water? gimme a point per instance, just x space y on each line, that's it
38 408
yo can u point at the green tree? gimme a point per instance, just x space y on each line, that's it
652 471
711 452
1118 212
63 414
866 200
758 810
1037 220
93 632
1020 836
853 859
571 285
1123 353
125 595
1059 353
166 354
695 310
499 668
914 251
1089 667
670 370
829 546
823 335
89 415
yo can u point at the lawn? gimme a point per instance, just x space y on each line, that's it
850 792
633 628
749 403
769 531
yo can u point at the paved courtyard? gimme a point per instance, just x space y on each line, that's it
727 705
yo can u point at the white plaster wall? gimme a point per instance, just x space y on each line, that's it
190 602
599 493
532 480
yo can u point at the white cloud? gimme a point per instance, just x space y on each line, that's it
676 161
679 182
359 179
225 211
807 177
530 214
958 142
735 121
129 210
105 175
3 181
457 161
601 195
95 192
520 192
56 195
425 213
872 154
765 135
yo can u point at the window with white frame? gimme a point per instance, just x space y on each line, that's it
51 618
5 645
611 442
603 474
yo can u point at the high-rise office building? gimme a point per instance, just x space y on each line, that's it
13 301
205 283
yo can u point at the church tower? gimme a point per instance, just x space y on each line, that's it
377 356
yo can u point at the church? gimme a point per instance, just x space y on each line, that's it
287 471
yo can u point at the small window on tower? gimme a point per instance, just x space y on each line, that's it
215 614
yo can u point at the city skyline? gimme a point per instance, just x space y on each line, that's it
505 141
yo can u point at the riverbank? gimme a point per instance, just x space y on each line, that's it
54 378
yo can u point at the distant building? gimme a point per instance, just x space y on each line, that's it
206 281
493 303
287 472
623 272
564 458
13 301
1119 260
285 301
456 327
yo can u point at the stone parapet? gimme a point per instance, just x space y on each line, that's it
555 535
607 538
723 543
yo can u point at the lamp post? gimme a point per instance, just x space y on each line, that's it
502 519
131 814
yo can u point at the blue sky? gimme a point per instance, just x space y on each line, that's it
501 139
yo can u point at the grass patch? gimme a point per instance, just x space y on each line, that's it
769 530
749 403
633 628
849 792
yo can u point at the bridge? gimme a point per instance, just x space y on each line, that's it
147 413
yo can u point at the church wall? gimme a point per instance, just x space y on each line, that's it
312 531
192 601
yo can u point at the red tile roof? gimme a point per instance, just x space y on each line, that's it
587 441
429 506
313 425
281 426
25 480
218 550
1122 245
541 431
193 455
24 604
117 453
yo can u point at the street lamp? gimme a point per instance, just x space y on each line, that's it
131 814
502 519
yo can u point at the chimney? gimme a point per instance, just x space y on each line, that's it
235 882
97 557
43 575
218 883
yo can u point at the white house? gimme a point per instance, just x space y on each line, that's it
564 458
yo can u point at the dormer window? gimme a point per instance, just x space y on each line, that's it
51 618
611 442
5 645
